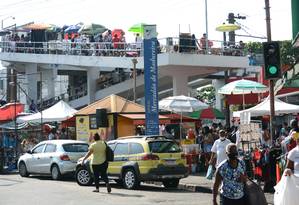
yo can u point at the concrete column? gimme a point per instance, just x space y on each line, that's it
92 76
180 84
32 78
217 84
51 76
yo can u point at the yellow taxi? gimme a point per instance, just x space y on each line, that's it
141 158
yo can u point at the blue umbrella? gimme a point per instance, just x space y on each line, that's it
72 29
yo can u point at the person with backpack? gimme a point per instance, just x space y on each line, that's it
97 151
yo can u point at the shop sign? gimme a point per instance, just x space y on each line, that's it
151 80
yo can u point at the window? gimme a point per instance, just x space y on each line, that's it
163 147
38 149
112 145
50 148
92 122
121 149
75 147
136 148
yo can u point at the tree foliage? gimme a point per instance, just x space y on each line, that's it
207 95
287 52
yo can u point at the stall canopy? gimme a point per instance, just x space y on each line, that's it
59 112
264 108
10 110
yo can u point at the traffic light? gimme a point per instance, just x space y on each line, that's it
272 60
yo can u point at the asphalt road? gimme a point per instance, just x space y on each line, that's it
15 190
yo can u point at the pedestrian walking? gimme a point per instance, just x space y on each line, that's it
97 151
232 174
293 158
218 149
53 135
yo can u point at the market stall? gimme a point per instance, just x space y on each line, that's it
59 112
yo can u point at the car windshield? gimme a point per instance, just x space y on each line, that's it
75 147
163 147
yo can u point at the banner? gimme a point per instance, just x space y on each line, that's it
151 80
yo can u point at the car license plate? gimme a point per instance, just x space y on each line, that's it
170 162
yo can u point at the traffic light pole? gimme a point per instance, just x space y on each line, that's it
271 90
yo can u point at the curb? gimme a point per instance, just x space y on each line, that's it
187 187
195 188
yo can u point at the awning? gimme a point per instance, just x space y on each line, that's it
61 111
12 125
139 119
10 110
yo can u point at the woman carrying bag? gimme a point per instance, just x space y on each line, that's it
98 161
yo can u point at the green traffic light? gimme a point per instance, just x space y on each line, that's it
273 70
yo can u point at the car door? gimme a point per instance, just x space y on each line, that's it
121 152
46 158
34 160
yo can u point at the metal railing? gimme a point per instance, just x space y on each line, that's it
73 48
166 45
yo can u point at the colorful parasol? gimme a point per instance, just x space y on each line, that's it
228 27
137 28
208 113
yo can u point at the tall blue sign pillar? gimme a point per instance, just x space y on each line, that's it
151 80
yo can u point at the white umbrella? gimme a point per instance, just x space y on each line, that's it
242 87
181 104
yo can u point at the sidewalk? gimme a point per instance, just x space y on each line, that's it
196 183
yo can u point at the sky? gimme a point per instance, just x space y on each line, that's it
170 16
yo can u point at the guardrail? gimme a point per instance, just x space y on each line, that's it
166 45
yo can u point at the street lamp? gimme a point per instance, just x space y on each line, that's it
5 19
134 61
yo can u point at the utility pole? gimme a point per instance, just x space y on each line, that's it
41 104
271 90
231 20
207 30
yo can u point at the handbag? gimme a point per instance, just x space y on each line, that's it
109 153
254 194
210 172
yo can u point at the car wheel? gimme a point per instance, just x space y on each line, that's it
55 172
171 183
130 180
83 177
23 170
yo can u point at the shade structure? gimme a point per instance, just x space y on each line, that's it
92 29
59 112
72 29
118 32
181 104
37 26
242 87
228 27
208 113
54 28
137 28
264 108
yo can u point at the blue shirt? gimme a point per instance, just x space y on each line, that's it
231 188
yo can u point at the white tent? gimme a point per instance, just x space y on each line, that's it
264 108
58 112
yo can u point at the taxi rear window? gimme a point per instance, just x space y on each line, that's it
163 147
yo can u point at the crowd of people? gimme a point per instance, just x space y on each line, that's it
231 170
105 44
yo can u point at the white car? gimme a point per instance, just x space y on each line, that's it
52 157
